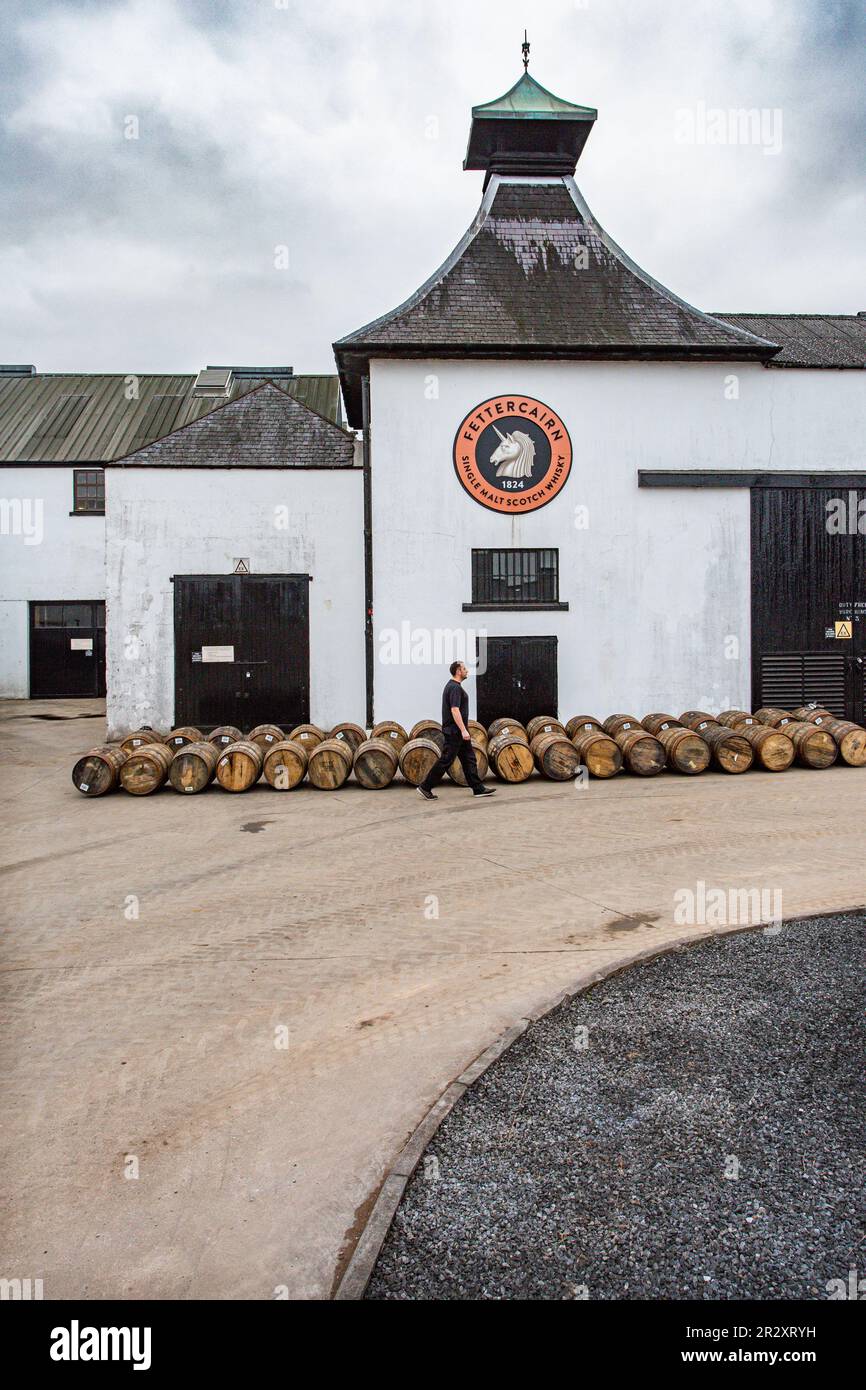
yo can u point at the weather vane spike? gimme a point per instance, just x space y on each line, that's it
525 47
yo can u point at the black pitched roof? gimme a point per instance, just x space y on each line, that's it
266 428
810 340
536 275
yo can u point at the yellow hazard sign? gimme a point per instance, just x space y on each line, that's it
843 629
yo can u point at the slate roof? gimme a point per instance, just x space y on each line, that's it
266 428
810 340
88 418
536 275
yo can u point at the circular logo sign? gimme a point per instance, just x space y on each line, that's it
512 454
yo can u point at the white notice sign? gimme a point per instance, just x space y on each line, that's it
217 653
81 644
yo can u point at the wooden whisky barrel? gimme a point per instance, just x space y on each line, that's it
179 738
773 750
641 752
812 714
814 746
615 722
266 735
224 735
455 771
416 758
510 756
850 740
506 726
352 734
428 728
239 766
146 769
544 724
375 763
660 723
140 738
477 729
392 731
734 718
97 771
731 752
581 723
686 752
193 766
329 764
599 752
691 718
555 755
773 718
307 734
284 765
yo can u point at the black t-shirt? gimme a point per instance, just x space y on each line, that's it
454 694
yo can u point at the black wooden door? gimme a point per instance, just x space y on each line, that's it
808 594
241 650
519 679
67 650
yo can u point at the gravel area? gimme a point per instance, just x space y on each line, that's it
606 1170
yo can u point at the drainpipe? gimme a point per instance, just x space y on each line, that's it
368 547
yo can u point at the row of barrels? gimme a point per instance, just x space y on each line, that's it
188 761
733 741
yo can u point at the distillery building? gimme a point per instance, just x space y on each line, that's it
618 500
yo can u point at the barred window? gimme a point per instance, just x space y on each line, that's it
89 490
515 576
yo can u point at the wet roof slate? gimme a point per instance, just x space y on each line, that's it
537 275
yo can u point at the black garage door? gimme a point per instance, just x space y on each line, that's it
808 599
520 678
67 650
241 650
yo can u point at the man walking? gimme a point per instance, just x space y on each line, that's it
458 744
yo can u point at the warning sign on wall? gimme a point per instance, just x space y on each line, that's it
843 629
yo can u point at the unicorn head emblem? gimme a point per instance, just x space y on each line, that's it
514 456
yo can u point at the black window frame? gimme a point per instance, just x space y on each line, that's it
500 571
98 483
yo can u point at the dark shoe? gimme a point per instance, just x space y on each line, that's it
426 793
485 791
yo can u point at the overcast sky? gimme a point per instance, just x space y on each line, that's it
338 128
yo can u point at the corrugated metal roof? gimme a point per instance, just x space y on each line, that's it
809 340
40 424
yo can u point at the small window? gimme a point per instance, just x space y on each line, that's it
515 577
89 490
64 615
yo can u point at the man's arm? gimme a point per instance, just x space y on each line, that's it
458 720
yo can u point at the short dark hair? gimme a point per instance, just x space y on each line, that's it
455 667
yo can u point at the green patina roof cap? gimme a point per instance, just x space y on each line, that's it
528 131
527 99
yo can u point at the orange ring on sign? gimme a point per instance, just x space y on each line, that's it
512 454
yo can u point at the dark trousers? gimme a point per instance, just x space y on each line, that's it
456 746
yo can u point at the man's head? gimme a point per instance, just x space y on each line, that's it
458 671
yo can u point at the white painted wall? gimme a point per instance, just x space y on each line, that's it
62 557
659 581
165 521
